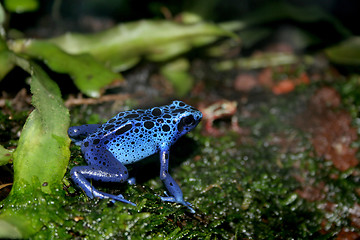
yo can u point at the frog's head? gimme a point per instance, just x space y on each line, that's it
187 117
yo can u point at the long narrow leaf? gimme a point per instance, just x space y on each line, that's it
124 45
89 75
40 161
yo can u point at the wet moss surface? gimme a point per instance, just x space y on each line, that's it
267 182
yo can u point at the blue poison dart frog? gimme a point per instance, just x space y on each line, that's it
129 137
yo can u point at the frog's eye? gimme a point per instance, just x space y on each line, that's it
186 122
189 120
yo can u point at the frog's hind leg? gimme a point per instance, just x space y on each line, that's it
103 167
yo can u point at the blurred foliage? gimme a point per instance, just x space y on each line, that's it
123 46
2 16
345 53
5 59
21 6
178 74
86 58
89 75
260 61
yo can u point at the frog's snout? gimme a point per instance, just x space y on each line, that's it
73 132
199 116
74 135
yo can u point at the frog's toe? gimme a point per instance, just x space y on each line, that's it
172 199
114 198
131 181
168 199
189 206
120 198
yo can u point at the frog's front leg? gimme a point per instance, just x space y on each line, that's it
113 171
173 188
79 133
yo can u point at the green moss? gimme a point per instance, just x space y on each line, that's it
240 186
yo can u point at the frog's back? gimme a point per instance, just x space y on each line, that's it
133 135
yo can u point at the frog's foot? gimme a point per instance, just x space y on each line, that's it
131 181
180 201
113 198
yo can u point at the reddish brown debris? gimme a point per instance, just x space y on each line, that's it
330 127
344 234
221 109
312 193
289 84
245 81
266 77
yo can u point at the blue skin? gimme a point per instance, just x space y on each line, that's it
129 137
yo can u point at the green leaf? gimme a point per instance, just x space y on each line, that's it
2 16
5 155
43 150
40 160
177 73
347 52
123 46
6 62
84 57
89 75
259 61
20 6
